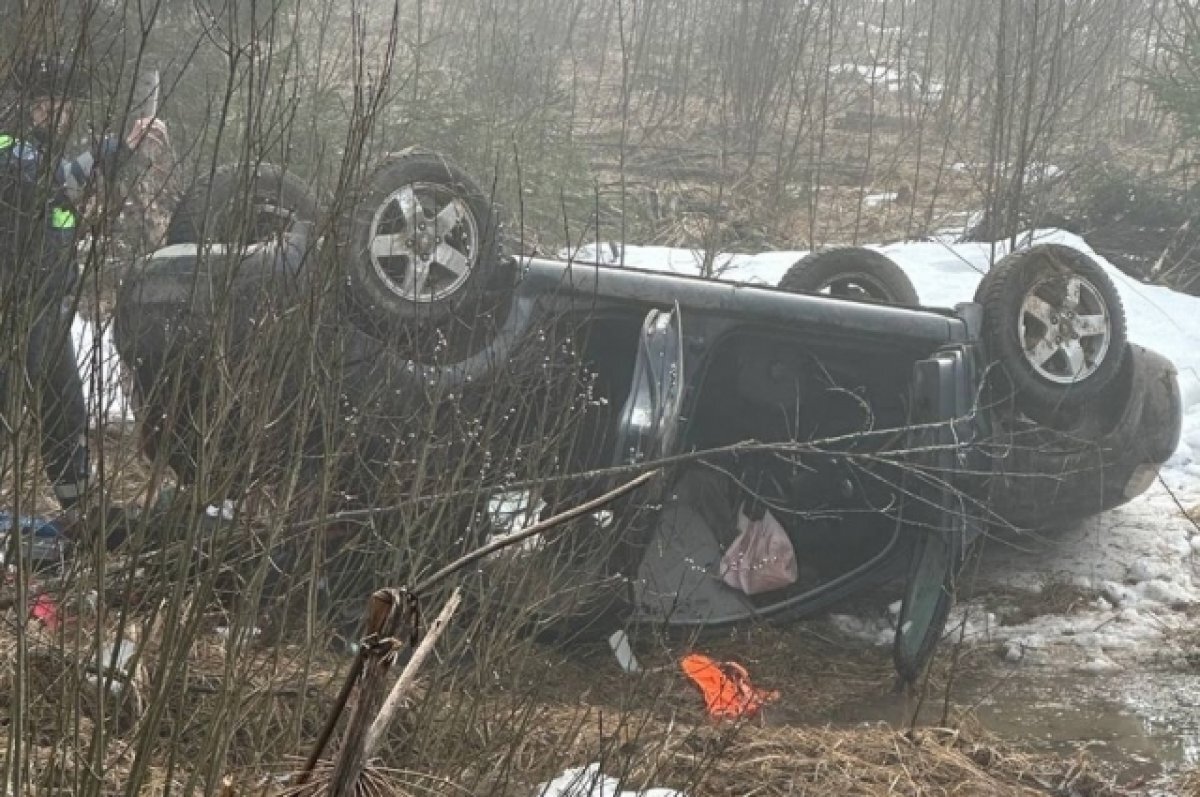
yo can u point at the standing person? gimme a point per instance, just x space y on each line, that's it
151 188
40 197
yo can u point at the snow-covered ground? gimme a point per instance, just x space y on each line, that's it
1140 557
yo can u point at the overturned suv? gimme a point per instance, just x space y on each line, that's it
882 437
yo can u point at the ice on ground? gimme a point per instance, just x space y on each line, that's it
1139 556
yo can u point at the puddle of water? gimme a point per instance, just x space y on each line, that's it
1144 723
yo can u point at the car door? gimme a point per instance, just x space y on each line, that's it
647 430
936 511
599 599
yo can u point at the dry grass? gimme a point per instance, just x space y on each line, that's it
564 709
869 761
650 730
1056 595
648 749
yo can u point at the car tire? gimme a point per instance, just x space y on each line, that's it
278 198
851 272
1054 323
411 275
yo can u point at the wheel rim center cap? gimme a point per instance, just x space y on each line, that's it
423 243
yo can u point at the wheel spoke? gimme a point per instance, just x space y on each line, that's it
410 207
1040 309
1089 326
451 259
414 280
1041 351
1071 300
447 219
390 245
1075 358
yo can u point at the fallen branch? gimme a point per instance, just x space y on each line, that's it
824 446
408 677
538 528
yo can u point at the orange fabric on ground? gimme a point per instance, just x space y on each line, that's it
726 687
44 609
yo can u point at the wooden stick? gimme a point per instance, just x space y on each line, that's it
339 705
407 678
384 616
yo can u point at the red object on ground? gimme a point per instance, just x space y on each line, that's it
45 610
726 687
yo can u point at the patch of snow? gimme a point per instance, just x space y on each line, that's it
871 630
226 511
877 73
1033 171
879 200
1042 171
1098 664
589 781
891 78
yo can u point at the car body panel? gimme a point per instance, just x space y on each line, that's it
1045 478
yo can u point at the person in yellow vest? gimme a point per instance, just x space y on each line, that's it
40 195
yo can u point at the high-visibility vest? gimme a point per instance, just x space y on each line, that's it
61 218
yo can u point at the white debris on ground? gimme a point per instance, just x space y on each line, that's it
881 199
1139 558
891 79
589 781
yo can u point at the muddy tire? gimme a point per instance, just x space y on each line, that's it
851 272
1053 321
231 207
424 249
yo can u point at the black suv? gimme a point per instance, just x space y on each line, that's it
883 436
